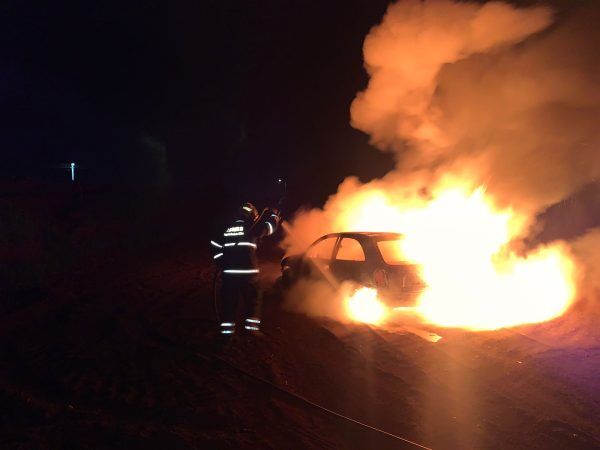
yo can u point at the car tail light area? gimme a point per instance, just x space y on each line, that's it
380 278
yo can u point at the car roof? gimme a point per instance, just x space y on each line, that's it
379 235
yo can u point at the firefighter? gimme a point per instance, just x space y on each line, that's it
235 253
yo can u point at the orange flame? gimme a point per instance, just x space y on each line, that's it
364 306
461 242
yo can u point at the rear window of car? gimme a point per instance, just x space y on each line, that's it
391 252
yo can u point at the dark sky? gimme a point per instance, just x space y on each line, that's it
206 96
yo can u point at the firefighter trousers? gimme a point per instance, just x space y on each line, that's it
241 297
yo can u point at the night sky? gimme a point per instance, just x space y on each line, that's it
197 97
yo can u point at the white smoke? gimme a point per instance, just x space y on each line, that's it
490 93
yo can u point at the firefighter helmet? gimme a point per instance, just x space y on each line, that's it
248 211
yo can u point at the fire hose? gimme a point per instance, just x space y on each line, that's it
224 362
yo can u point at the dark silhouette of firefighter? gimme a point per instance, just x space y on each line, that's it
236 257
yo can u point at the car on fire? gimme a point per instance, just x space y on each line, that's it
366 258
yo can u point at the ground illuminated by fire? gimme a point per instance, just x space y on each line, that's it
462 243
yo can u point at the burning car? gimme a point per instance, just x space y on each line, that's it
366 258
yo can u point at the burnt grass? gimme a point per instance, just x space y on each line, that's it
106 324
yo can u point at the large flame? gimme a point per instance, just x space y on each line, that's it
461 242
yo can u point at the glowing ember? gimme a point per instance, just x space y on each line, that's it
364 306
460 241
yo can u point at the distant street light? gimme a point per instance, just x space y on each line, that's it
72 171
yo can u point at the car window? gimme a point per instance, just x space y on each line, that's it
391 252
350 250
322 249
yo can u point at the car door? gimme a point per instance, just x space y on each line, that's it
349 262
317 260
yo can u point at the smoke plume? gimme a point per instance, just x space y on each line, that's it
490 94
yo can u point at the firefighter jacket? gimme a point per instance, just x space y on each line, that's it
235 250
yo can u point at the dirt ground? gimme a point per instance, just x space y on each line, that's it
122 358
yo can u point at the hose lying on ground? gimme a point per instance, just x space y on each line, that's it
311 403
